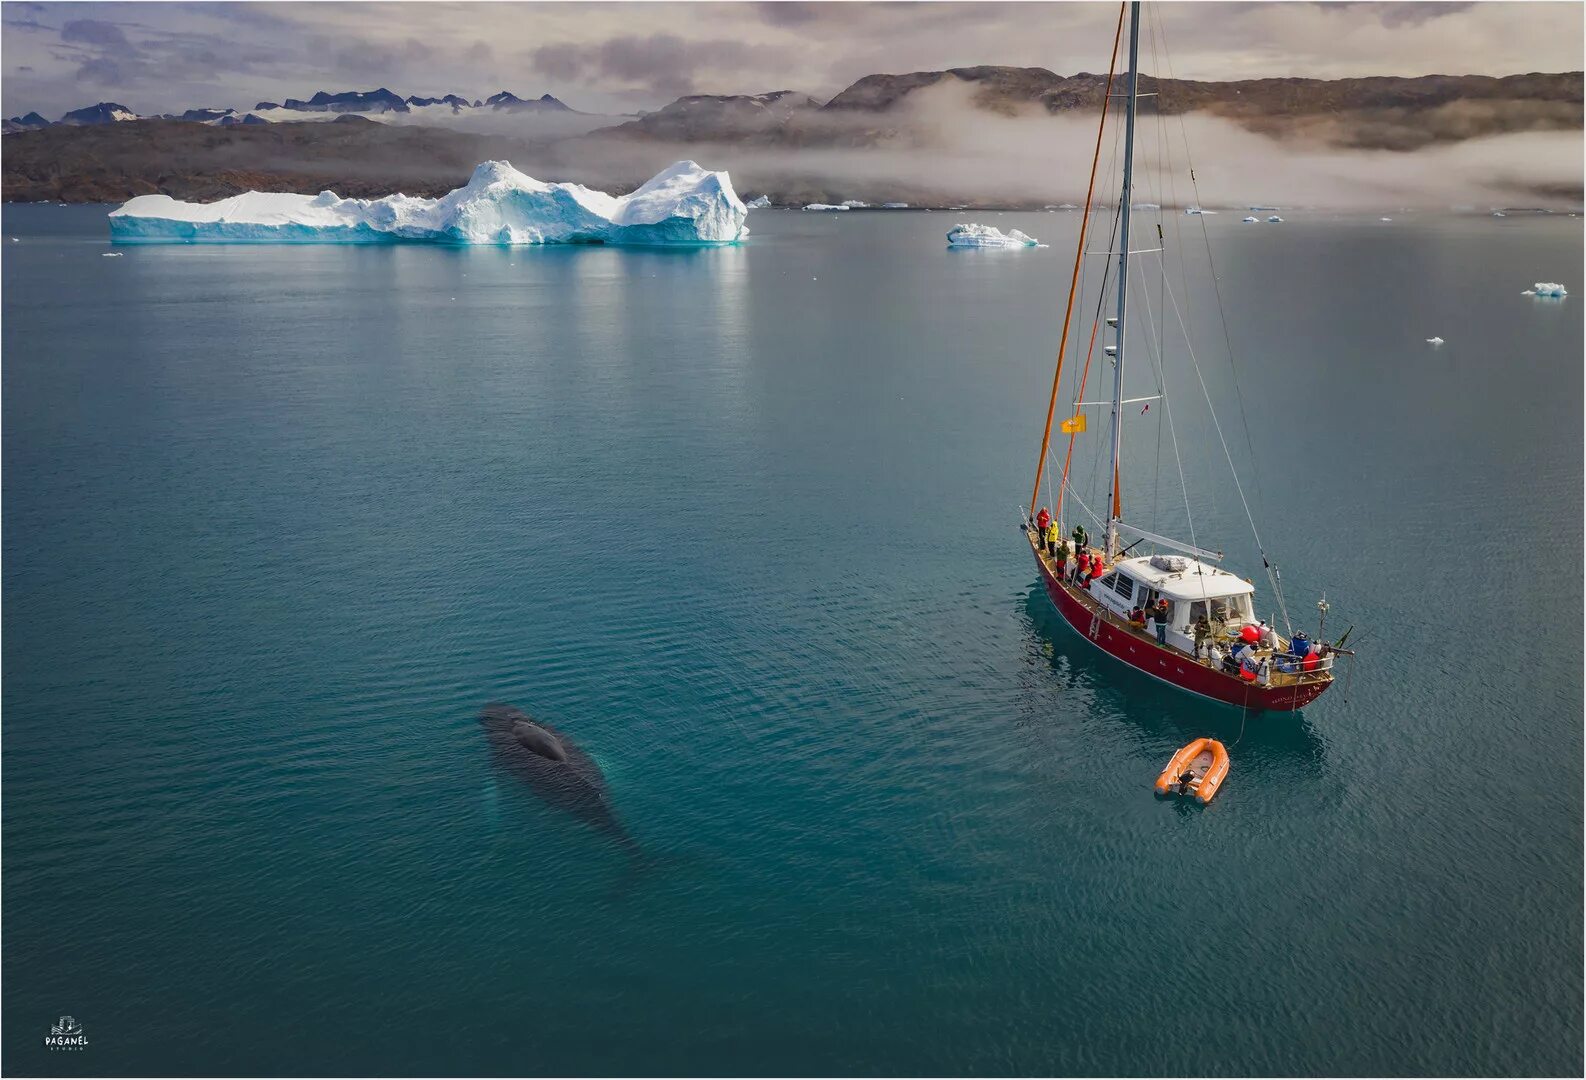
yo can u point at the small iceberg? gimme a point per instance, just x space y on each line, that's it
682 204
110 254
855 204
1434 341
825 206
1385 219
1499 213
1196 211
1547 288
1251 220
894 206
759 202
1274 219
988 236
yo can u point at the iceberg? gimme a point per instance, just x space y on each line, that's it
988 236
1274 219
825 206
759 202
855 204
1434 341
682 204
894 206
1546 288
1251 220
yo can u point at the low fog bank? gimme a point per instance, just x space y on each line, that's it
944 151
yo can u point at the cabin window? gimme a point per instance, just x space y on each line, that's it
1123 586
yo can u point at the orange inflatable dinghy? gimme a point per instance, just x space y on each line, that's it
1207 760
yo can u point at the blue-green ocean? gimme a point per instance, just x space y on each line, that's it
278 521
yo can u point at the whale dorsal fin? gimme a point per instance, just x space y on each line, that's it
535 738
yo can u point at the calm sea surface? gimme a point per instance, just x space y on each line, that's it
279 520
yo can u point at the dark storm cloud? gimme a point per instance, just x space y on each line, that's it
664 64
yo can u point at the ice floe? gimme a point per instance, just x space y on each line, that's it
682 204
988 236
1251 220
826 206
1434 341
894 206
1546 288
1274 219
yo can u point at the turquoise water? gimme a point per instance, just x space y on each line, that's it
278 521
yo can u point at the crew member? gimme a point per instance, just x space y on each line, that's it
1052 538
1203 630
1042 520
1082 568
1163 613
1185 780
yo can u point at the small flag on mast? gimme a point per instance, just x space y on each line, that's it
1146 409
1073 426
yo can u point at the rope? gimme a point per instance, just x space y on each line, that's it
1079 258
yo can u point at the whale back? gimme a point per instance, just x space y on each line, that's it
536 739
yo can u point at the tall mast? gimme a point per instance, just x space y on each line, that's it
1123 273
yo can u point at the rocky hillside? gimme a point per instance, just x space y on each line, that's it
1376 113
352 156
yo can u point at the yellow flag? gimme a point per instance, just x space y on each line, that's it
1074 426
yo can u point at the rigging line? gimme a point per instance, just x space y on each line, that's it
1079 390
1189 516
1051 408
1277 589
1222 317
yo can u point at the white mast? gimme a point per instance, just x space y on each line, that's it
1123 275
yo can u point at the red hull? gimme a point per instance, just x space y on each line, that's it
1141 652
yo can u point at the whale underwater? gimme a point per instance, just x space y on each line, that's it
555 769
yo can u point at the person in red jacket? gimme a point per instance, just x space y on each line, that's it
1042 520
1082 569
1097 568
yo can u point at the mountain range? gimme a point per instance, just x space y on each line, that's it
321 106
108 152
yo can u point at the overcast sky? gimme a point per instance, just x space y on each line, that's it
620 57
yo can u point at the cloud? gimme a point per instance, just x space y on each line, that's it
163 57
94 32
663 63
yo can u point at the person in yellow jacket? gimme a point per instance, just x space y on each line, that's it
1052 537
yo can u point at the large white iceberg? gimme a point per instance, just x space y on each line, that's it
988 236
1546 288
683 204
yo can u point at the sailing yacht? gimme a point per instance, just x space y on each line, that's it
1199 631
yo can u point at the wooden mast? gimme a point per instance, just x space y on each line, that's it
1079 255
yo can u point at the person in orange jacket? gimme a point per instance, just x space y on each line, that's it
1082 569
